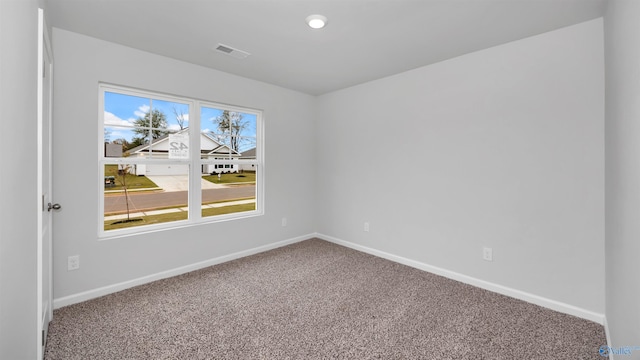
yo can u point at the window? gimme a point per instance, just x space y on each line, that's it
167 161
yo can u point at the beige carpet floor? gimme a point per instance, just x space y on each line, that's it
315 300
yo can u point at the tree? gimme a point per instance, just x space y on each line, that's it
136 141
126 145
231 125
181 117
123 171
158 124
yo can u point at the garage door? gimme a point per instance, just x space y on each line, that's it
167 170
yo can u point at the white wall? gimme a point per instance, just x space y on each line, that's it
622 39
501 148
80 63
18 213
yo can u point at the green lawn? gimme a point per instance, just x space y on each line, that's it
145 220
244 177
228 209
132 181
161 218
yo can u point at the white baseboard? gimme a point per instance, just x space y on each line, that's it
500 289
105 290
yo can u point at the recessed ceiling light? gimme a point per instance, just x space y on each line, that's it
316 21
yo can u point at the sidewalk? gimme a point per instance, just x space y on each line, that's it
173 210
180 182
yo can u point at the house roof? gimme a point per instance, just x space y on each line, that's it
251 153
143 146
218 149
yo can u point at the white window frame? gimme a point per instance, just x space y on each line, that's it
194 162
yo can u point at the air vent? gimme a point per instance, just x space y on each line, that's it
224 49
238 54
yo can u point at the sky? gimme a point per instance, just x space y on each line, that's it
121 110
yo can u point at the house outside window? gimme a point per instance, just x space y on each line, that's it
172 161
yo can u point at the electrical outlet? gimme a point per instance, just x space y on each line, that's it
284 221
487 254
73 262
366 227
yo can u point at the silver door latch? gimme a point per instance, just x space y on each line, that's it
51 206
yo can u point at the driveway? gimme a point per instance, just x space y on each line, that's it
180 182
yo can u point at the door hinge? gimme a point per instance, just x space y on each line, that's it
42 337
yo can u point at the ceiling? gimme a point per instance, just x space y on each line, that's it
364 40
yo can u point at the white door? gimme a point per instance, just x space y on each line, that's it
45 206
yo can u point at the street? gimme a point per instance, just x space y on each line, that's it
114 203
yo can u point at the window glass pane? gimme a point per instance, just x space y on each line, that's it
141 125
229 190
176 114
120 114
247 138
229 133
144 194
